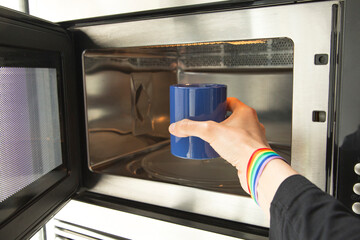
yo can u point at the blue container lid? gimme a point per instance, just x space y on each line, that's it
199 85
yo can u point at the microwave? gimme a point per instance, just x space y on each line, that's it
84 109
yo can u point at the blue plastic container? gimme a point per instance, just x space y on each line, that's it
200 102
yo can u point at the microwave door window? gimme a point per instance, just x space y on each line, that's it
30 144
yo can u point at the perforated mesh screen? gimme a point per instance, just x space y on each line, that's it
30 142
270 53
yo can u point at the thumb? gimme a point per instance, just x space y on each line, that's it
202 129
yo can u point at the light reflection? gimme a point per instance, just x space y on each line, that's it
13 4
94 114
245 42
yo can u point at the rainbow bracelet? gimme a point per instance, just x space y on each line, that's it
256 165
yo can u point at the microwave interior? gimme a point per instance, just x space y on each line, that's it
127 105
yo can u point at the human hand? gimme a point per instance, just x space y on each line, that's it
234 139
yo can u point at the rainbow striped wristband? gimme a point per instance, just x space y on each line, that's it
256 165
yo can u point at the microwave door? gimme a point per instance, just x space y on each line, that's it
39 123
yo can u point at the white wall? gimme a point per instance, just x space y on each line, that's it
13 4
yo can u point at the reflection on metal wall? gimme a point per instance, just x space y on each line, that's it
65 10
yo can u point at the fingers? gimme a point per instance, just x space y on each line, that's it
237 107
262 128
202 129
242 114
233 104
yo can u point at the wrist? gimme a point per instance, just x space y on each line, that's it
255 166
274 173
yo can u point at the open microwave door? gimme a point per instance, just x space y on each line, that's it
39 123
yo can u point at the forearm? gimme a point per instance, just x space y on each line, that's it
274 173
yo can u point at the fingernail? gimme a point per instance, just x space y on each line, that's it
172 127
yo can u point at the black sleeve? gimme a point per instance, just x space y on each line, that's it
301 211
